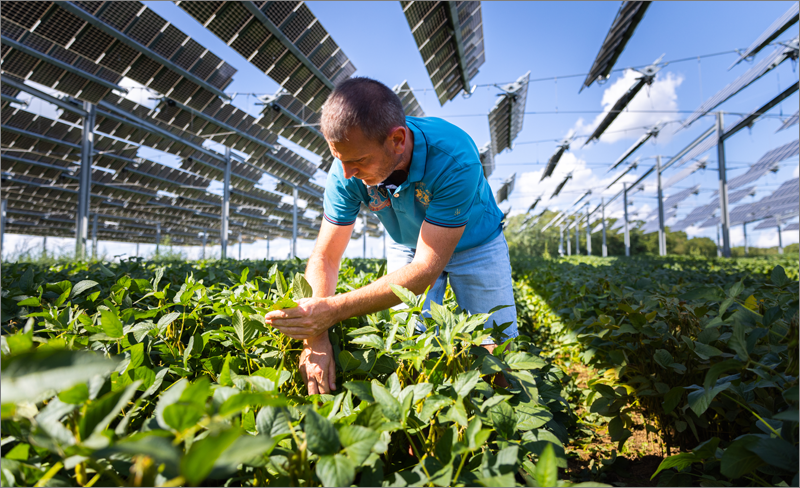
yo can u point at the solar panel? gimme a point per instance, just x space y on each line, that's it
772 222
487 159
561 186
636 145
788 122
508 113
768 162
674 200
779 55
533 205
411 106
773 31
648 75
585 194
794 226
627 170
449 36
736 213
504 191
684 173
652 224
282 39
555 158
628 17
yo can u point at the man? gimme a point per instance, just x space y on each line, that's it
424 180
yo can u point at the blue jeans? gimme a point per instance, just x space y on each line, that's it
480 278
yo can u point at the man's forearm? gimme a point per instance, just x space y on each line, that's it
322 275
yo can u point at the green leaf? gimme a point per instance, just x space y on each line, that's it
31 374
321 435
348 362
706 351
775 452
361 389
238 326
280 283
181 416
679 461
283 303
738 459
699 400
390 406
522 360
102 411
237 403
372 340
672 398
301 288
336 470
197 464
358 442
778 276
546 473
224 377
111 324
81 287
407 296
719 368
735 289
465 382
167 319
75 395
29 302
738 342
530 416
663 358
503 418
137 356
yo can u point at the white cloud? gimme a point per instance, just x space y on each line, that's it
796 172
651 105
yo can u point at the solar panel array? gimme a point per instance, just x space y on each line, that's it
411 106
685 172
449 36
561 186
628 17
487 159
282 39
768 162
773 222
652 224
779 55
636 145
734 197
508 113
794 226
789 122
554 159
505 190
773 31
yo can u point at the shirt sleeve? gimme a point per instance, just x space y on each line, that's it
340 206
454 196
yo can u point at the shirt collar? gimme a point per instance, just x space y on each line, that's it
419 157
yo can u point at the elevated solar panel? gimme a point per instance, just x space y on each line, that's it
768 162
794 226
487 159
779 55
554 159
561 186
285 40
505 190
411 106
636 145
777 28
652 224
772 222
788 122
733 198
674 200
685 172
628 17
449 36
508 113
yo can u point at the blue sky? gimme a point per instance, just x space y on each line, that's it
557 39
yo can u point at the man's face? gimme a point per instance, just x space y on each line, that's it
369 160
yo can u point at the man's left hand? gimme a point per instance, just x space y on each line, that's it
310 318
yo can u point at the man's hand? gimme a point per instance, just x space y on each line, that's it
317 365
311 317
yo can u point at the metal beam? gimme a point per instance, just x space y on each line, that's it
3 207
226 205
128 41
273 29
603 217
725 218
748 121
60 64
158 236
69 107
42 137
662 241
10 99
625 205
94 237
588 232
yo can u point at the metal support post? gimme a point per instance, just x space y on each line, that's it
662 238
588 232
240 247
364 250
205 238
137 249
780 237
44 247
85 181
267 246
561 241
578 234
603 217
94 237
158 236
226 206
384 242
294 223
719 243
3 205
746 249
569 244
725 217
627 233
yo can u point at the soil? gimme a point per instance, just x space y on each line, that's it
640 457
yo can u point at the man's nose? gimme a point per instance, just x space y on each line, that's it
349 171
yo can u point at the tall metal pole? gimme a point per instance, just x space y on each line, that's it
744 228
44 246
384 242
725 217
240 246
3 205
719 243
603 217
158 236
577 234
294 223
627 233
780 237
226 206
268 246
137 249
561 242
205 238
588 233
94 236
85 182
569 244
662 238
364 250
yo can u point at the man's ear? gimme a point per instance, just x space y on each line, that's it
399 139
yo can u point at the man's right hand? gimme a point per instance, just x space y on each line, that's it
317 365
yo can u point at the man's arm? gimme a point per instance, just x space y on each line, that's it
314 316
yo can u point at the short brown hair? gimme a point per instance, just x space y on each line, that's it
364 103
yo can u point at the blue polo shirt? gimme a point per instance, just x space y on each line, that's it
445 187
